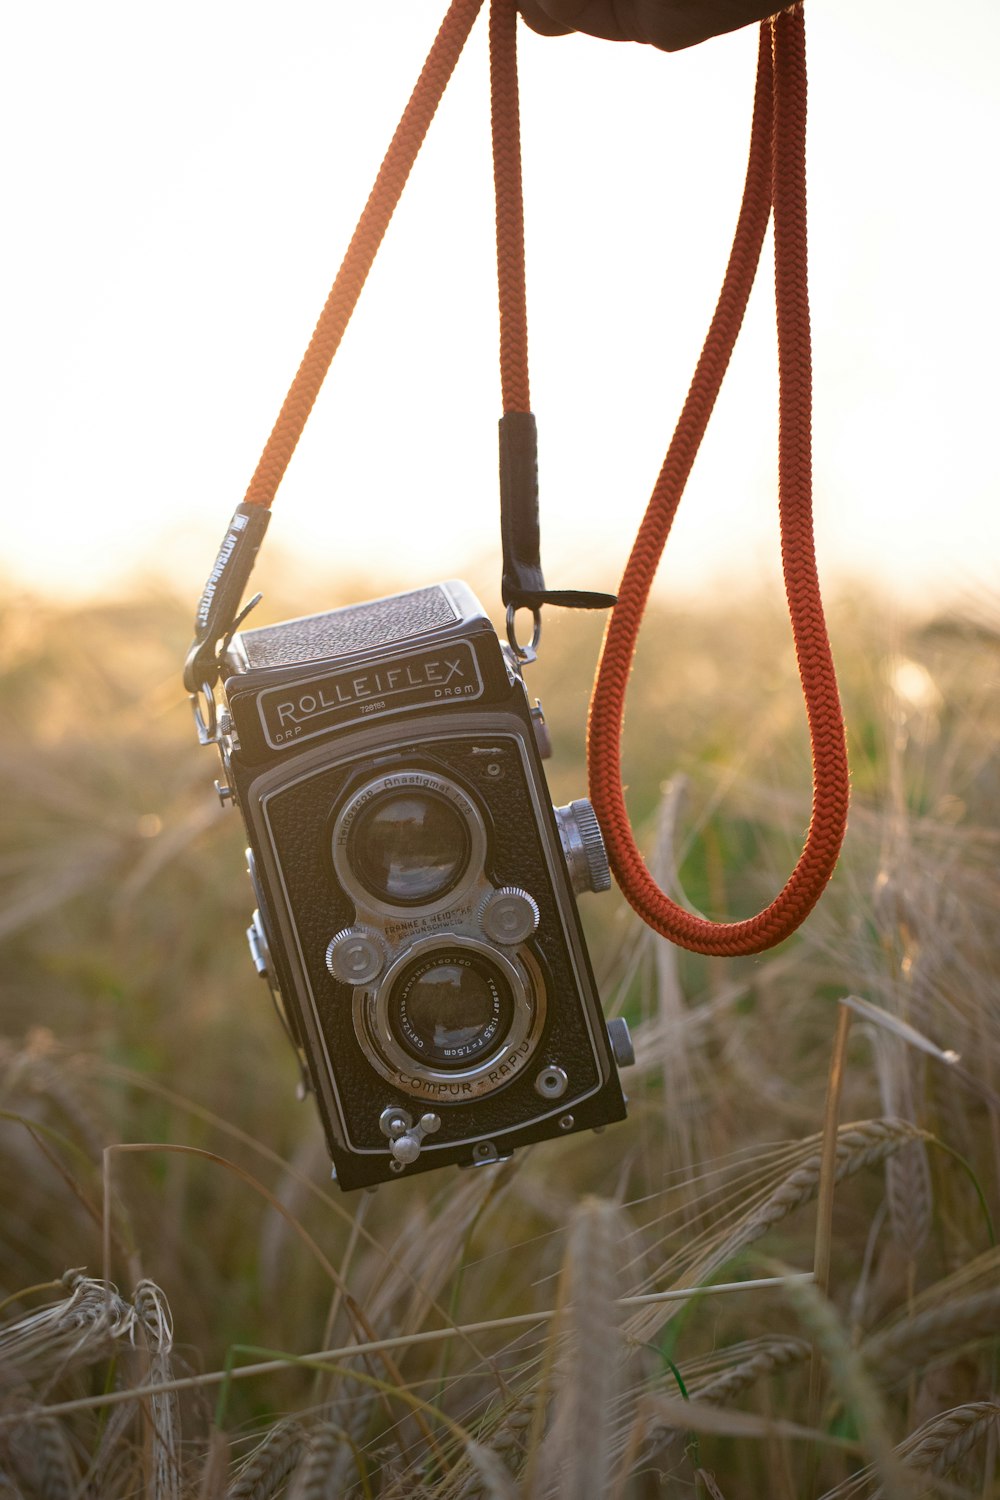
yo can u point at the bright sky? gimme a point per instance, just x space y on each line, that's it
180 182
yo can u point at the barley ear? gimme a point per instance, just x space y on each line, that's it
896 1352
767 1359
216 1467
320 1474
577 1456
934 1448
264 1473
164 1449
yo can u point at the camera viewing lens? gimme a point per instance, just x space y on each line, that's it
409 847
451 1009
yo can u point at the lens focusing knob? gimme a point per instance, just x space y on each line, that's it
621 1042
509 915
356 956
583 847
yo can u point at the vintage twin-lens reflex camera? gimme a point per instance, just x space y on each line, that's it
414 886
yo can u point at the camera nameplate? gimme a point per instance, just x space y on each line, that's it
294 713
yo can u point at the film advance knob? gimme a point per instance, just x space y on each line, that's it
509 915
355 956
583 847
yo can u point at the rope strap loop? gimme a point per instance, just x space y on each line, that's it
340 304
775 176
522 582
775 172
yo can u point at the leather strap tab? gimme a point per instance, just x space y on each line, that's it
523 583
220 600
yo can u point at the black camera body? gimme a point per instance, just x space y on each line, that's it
415 887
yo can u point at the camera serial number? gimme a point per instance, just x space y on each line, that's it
373 708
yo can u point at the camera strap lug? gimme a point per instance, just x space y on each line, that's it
522 582
524 655
219 614
205 712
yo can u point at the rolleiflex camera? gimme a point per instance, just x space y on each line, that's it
414 886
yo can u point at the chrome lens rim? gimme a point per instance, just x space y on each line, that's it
416 782
373 1019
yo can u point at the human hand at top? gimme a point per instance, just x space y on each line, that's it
668 24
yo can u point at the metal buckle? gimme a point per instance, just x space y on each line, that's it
207 723
525 654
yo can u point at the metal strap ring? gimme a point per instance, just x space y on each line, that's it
524 653
206 721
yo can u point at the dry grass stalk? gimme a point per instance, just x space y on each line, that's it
825 1189
708 1483
37 1070
79 1329
685 1139
851 1380
897 1352
907 1174
576 1453
215 1469
859 1145
38 1459
491 1479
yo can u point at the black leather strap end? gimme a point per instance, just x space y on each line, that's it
519 534
578 599
523 584
220 599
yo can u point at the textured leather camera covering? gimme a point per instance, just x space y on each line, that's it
300 818
348 631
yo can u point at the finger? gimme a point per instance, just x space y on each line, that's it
667 24
536 16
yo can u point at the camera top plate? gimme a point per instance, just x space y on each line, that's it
299 681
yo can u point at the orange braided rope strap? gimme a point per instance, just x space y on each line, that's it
505 120
361 252
776 170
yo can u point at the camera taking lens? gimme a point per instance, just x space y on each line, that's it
451 1009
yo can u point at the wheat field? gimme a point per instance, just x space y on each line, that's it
189 1310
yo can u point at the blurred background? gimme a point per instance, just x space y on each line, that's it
180 187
